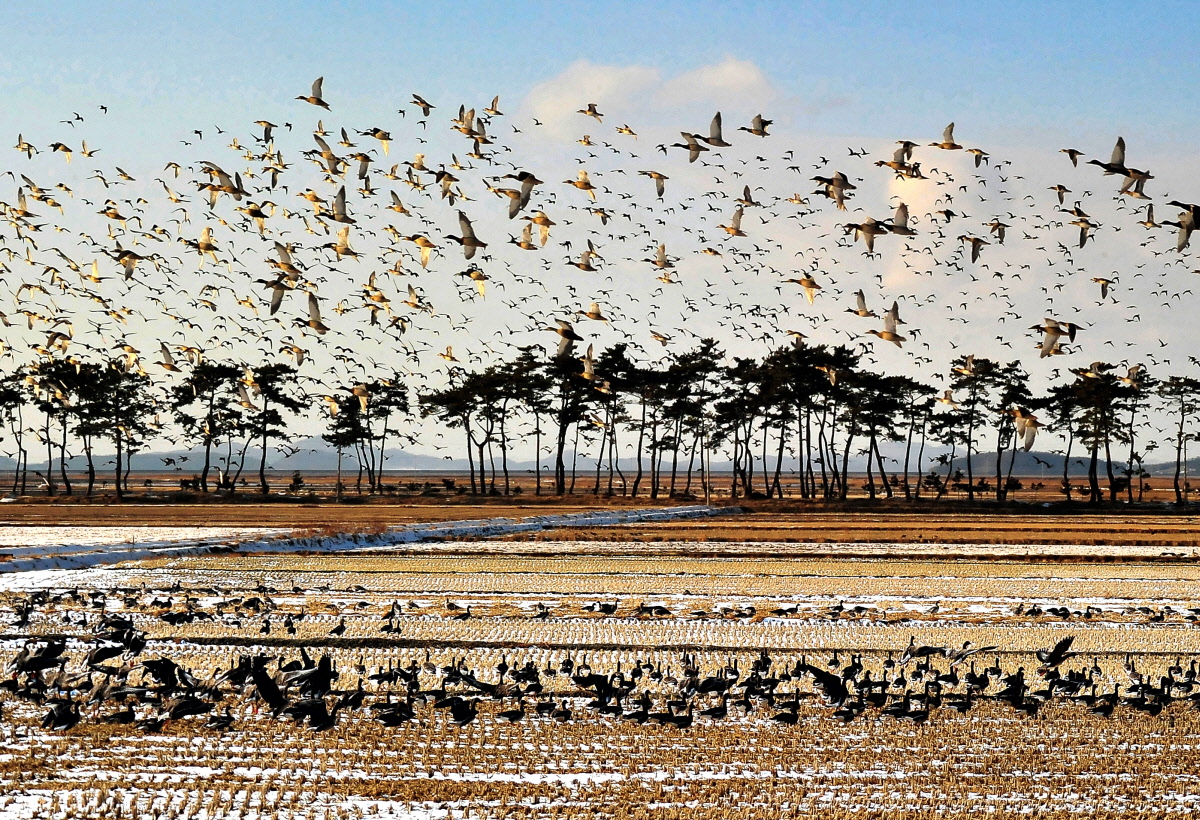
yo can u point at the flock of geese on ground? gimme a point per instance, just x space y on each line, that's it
116 679
304 242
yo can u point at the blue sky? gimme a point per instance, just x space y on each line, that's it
1008 69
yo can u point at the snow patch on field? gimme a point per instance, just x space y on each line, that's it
38 548
24 549
397 537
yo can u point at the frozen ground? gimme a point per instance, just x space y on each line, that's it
481 605
38 548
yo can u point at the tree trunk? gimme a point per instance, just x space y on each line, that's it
921 458
49 458
262 459
537 455
735 463
129 454
337 488
949 469
821 448
91 465
846 465
1179 439
870 467
491 461
480 464
970 450
504 444
1094 475
775 482
1112 480
387 415
1132 452
118 438
883 476
560 464
466 423
687 484
614 463
62 459
208 440
908 439
1012 460
600 454
208 443
574 461
1067 461
637 479
358 456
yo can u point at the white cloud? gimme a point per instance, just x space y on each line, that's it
556 102
639 95
738 84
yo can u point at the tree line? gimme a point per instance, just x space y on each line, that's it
801 410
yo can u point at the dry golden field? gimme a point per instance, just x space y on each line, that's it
1106 731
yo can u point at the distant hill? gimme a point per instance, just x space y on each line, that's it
1034 464
313 455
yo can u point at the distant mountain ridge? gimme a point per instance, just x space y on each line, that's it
313 455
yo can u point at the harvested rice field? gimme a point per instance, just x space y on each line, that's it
612 678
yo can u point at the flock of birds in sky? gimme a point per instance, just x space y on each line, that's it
303 239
